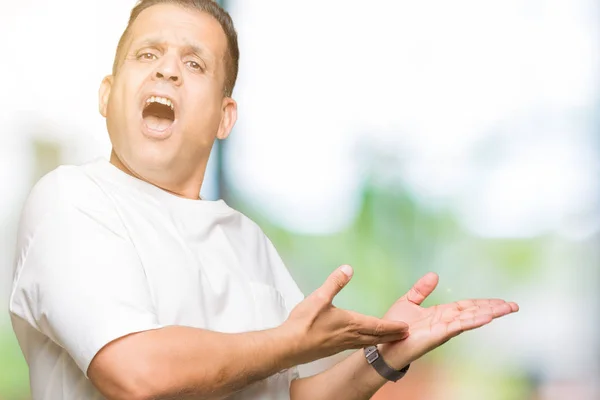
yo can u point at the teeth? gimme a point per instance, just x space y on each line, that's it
161 100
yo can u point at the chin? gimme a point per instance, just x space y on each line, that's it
154 160
145 160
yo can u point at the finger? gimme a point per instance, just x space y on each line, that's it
498 311
468 323
466 304
366 325
366 340
484 312
335 283
422 288
495 311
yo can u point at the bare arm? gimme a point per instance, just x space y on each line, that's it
351 379
354 379
181 361
188 362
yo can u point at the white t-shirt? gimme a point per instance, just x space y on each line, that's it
101 255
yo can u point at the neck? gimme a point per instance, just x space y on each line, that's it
189 190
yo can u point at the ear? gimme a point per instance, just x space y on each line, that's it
229 108
104 94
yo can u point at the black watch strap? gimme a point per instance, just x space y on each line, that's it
382 368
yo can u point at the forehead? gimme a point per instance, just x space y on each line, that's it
179 26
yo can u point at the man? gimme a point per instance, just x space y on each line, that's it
129 286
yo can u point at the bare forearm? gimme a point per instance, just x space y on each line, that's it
182 362
352 379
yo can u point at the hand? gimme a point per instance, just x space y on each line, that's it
320 330
433 326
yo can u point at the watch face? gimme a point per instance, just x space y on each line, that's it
372 354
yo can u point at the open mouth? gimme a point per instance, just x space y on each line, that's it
158 113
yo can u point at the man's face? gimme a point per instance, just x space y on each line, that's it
165 106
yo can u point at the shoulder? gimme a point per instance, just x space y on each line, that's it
259 241
65 191
251 237
249 228
65 185
64 181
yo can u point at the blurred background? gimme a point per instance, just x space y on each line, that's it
397 136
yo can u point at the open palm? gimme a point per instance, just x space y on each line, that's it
432 326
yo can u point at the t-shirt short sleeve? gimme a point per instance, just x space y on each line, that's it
78 279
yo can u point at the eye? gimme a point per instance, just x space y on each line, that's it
194 65
146 56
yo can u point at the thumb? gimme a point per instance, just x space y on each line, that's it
423 288
335 282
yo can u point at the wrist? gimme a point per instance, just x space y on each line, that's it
289 351
393 357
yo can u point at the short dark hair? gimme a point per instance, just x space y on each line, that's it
208 6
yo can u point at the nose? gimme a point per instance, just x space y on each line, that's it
168 69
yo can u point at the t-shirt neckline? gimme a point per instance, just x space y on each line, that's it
124 179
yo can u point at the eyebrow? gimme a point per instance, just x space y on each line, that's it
194 48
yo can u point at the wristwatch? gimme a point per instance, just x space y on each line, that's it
382 368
